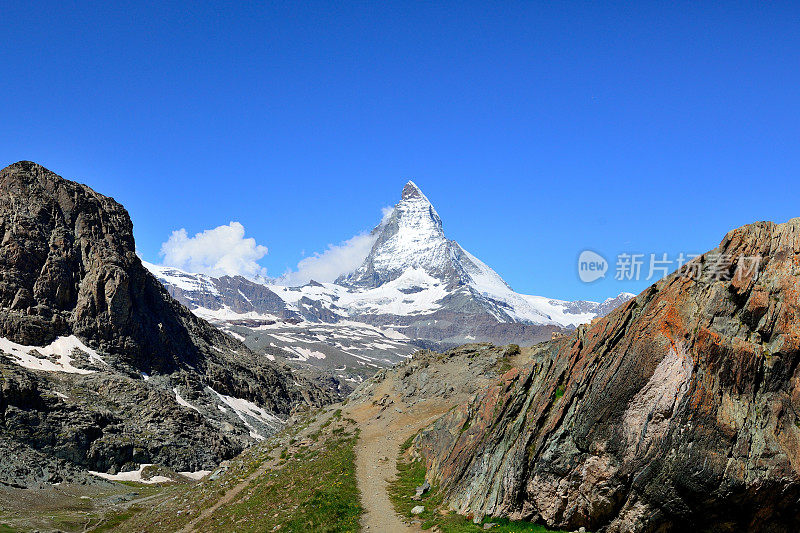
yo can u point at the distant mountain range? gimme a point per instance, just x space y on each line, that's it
416 288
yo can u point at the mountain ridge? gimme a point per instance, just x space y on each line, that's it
416 286
412 251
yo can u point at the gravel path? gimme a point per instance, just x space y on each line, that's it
384 428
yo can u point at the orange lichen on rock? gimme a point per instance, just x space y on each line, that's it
672 325
678 411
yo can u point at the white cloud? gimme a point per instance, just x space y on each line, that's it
336 260
217 252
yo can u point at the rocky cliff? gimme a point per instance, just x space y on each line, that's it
100 368
680 411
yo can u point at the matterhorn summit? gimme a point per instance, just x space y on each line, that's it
415 288
412 244
410 238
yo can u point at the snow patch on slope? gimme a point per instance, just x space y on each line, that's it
62 347
304 354
247 410
134 475
183 402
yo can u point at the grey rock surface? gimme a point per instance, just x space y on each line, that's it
164 390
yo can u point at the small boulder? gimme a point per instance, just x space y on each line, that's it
417 510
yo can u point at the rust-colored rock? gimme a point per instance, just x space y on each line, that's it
680 411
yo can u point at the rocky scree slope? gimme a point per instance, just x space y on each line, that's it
100 369
679 411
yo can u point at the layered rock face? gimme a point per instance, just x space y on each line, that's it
152 380
680 411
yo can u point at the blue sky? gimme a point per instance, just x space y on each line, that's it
537 129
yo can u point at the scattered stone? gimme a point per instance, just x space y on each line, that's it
418 510
423 489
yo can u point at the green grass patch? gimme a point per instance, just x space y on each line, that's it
7 529
113 521
503 365
411 474
176 505
559 392
512 349
315 492
407 444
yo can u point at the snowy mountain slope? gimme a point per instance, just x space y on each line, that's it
300 326
236 294
346 352
414 288
412 239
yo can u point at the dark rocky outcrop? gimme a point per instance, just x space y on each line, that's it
680 411
68 267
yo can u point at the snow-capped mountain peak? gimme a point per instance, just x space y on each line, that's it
411 237
414 282
415 216
410 190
